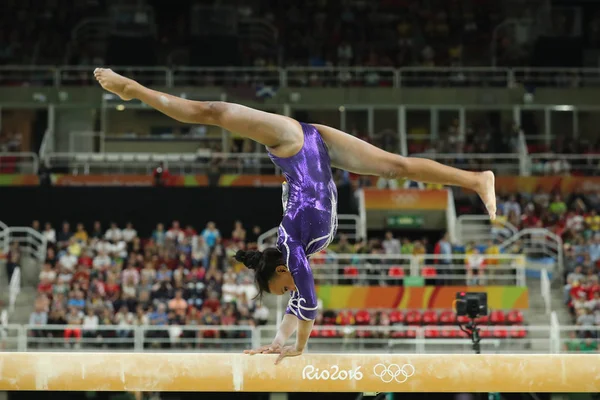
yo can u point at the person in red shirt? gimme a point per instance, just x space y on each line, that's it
344 318
529 219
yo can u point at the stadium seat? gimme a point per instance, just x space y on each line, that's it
413 318
497 317
431 332
396 317
514 317
447 317
350 271
429 272
396 272
500 333
362 317
518 333
430 317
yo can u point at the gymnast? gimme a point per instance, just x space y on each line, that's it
305 153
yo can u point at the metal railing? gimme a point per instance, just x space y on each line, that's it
145 163
19 163
91 163
14 288
537 243
501 164
546 291
380 269
479 228
14 75
348 224
551 338
31 242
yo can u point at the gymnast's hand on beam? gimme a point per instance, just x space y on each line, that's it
288 351
268 349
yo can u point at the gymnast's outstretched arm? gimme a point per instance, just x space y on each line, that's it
281 134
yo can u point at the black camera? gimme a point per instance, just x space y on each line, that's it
472 305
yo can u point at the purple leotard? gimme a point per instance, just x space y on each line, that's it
310 216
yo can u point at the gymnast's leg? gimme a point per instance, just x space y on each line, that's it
352 154
282 135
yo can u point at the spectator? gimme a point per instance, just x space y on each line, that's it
97 231
90 324
239 233
81 234
129 233
64 236
178 304
49 233
211 234
13 259
113 234
175 233
159 235
444 249
391 245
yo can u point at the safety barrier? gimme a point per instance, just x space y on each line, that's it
551 338
309 76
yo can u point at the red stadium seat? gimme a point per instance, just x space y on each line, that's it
447 317
430 317
449 333
429 272
362 317
350 271
396 272
396 317
431 332
514 317
413 317
315 333
518 333
485 319
398 334
330 333
497 317
462 319
364 334
500 333
486 333
411 333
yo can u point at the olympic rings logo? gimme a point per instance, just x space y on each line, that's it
392 372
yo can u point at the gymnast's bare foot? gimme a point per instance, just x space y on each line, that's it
114 82
486 189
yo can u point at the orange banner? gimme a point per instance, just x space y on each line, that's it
547 184
405 199
251 180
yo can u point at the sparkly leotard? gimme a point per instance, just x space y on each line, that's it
310 216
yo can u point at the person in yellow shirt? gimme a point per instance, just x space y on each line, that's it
419 248
492 250
81 234
593 221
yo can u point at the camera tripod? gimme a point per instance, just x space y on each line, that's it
472 330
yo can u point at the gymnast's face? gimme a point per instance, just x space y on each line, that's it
282 281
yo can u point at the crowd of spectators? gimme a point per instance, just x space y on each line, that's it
317 33
576 220
102 283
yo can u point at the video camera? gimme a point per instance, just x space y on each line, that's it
471 304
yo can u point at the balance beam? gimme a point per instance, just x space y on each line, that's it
198 372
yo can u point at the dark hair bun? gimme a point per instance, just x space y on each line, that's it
251 259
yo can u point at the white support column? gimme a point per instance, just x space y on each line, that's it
517 115
434 123
575 123
225 134
402 136
343 118
371 121
547 126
